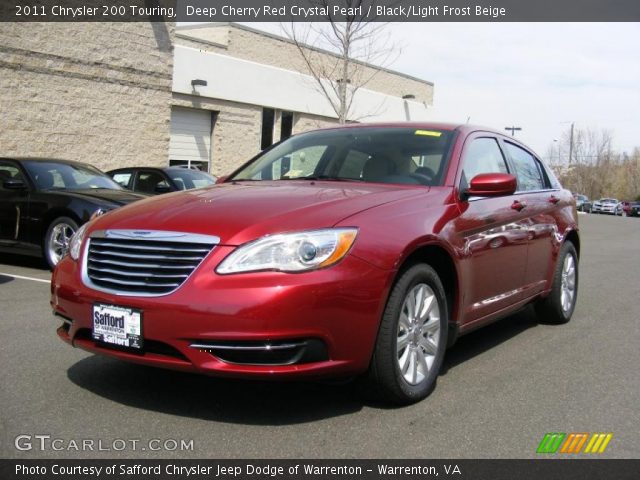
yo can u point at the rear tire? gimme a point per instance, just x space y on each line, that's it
558 307
56 240
412 338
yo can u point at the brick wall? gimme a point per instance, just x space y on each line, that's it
93 92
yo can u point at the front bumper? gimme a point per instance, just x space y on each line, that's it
334 313
601 209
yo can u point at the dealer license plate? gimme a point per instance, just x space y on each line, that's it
117 325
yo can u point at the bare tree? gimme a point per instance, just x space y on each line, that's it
354 42
594 168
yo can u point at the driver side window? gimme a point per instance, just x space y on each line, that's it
482 156
9 172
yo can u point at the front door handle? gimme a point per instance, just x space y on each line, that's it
519 206
553 199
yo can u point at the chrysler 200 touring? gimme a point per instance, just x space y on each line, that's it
360 251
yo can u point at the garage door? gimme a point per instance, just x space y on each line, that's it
190 143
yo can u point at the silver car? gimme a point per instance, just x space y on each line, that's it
605 205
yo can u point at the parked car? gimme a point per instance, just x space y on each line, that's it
160 180
621 208
583 204
605 205
631 209
362 250
44 201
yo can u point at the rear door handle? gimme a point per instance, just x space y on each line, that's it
553 199
519 206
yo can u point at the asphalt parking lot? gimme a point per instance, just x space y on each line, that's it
501 390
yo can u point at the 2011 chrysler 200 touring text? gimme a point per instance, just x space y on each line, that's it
359 250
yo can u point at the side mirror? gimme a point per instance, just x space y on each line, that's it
491 185
14 184
221 179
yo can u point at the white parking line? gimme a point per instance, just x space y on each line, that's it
25 278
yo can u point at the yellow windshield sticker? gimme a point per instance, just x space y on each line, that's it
428 133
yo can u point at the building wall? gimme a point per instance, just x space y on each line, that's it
93 92
241 42
238 127
237 131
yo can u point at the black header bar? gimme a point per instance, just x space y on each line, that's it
320 10
552 469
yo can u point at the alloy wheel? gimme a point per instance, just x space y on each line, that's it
59 241
418 335
568 285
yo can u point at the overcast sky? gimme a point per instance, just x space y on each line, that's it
538 76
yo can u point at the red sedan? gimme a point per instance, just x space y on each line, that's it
362 250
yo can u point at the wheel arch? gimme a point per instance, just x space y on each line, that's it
441 260
573 237
52 215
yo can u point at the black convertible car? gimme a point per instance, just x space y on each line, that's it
154 180
43 202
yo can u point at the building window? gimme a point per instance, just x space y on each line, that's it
191 164
268 121
286 125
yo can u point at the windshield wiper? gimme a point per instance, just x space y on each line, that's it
325 178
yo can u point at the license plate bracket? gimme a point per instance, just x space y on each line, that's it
117 326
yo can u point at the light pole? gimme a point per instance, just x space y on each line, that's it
513 130
571 143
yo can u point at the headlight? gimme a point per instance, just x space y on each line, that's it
291 252
76 241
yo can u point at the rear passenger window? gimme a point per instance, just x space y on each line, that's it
123 178
528 171
482 156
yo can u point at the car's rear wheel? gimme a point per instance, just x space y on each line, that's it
57 238
412 338
559 305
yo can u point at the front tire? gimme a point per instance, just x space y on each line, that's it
558 307
412 338
56 240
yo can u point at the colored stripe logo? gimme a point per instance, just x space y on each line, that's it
574 443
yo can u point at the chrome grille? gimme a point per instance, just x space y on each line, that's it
143 262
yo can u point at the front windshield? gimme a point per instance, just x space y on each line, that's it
186 179
68 176
366 154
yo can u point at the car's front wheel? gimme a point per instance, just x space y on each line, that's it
57 238
412 338
559 305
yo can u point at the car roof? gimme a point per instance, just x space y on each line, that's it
41 159
164 169
446 126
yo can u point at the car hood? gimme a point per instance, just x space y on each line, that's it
118 197
243 211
